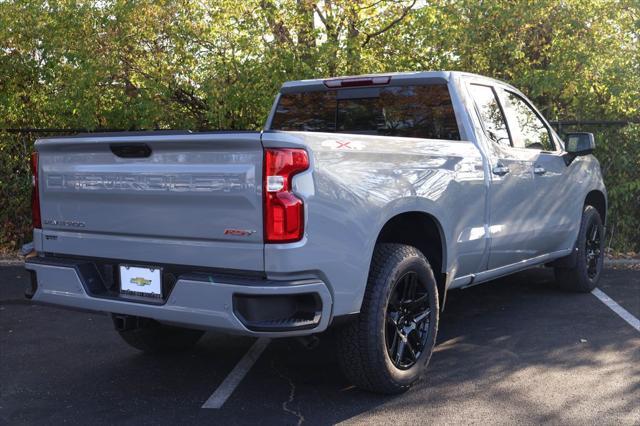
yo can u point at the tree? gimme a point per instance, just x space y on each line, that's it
216 64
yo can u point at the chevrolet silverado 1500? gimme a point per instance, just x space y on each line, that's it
360 204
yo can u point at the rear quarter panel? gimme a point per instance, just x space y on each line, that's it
357 183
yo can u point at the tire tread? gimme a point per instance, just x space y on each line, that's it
359 360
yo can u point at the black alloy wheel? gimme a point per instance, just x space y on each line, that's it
407 321
592 250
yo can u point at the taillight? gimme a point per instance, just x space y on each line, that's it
35 194
283 211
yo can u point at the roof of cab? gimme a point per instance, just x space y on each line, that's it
416 77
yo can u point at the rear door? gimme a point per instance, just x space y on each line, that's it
191 199
511 205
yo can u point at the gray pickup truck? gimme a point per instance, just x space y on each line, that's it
360 204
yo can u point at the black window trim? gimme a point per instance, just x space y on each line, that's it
504 116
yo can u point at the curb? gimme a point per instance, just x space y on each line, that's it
619 262
11 262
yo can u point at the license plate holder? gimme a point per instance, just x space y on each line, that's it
143 281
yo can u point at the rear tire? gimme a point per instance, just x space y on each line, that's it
150 336
585 274
388 346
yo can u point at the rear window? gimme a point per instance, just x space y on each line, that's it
423 111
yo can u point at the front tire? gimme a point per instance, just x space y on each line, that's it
585 274
151 336
387 348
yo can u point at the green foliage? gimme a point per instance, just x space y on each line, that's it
618 151
15 190
216 64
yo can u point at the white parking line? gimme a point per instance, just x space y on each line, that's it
231 382
622 312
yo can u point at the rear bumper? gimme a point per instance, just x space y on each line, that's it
195 301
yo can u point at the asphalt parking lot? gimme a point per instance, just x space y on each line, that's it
512 351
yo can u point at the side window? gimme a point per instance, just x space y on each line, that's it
530 131
490 114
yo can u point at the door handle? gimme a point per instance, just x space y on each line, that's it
539 170
500 169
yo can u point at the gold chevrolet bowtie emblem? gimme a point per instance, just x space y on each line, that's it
140 281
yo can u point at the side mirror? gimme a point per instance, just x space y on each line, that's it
577 144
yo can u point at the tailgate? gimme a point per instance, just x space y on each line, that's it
191 199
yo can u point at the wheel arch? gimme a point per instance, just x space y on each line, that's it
597 199
424 232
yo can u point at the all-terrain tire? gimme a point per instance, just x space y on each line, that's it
584 275
363 351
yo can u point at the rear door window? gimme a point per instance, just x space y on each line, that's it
491 114
418 111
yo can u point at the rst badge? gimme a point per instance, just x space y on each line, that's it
239 232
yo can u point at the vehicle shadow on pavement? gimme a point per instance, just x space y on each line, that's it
514 350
